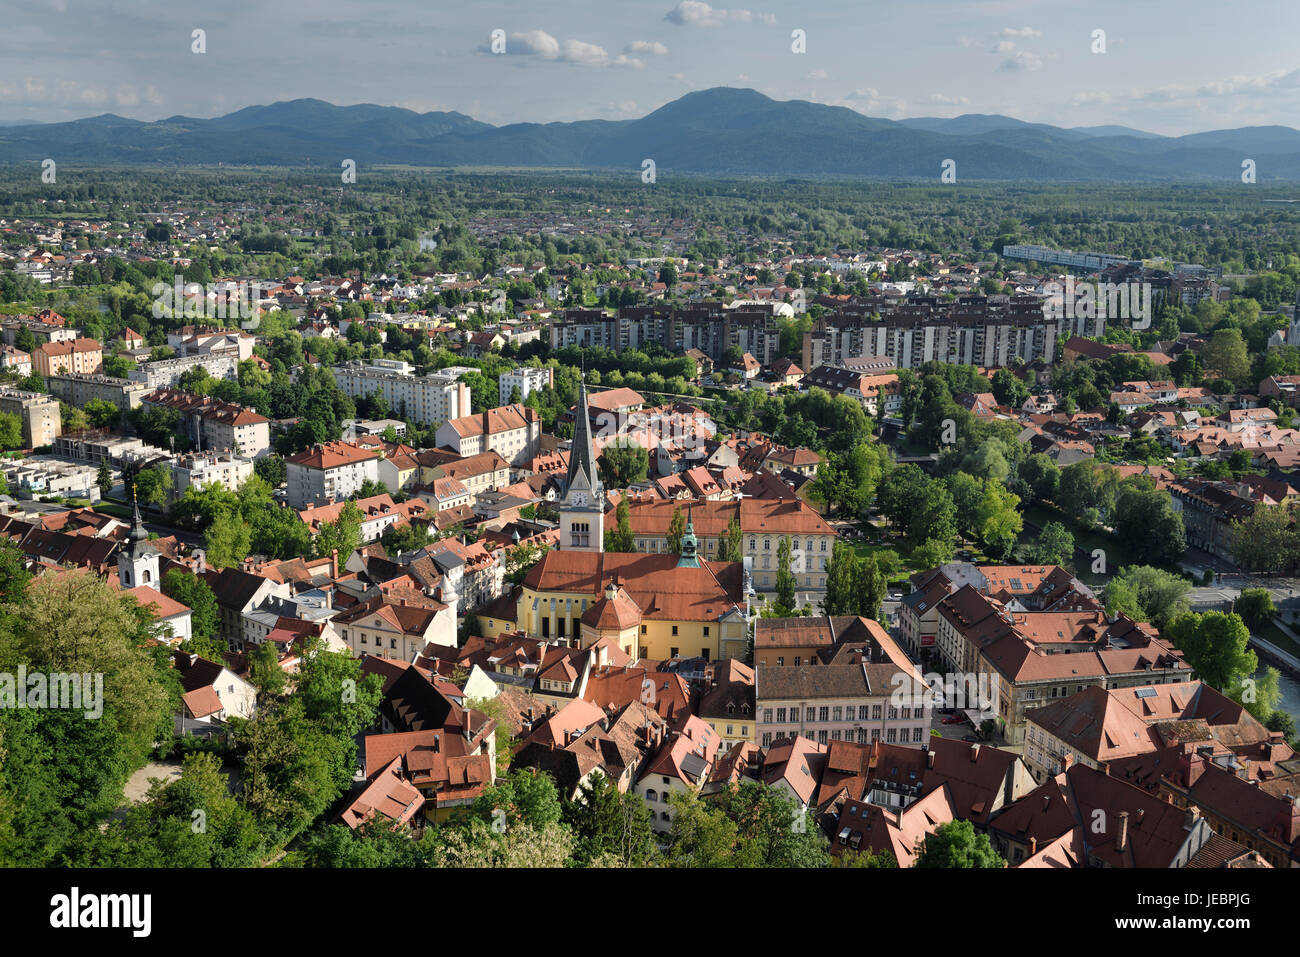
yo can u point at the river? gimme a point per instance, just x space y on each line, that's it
1290 693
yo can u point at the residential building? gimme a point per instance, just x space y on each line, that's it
42 421
527 380
513 431
437 397
329 472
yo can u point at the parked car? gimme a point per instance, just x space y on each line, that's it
954 719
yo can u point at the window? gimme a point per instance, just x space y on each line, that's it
862 712
767 739
875 712
780 715
891 735
651 795
767 715
797 660
812 714
672 653
674 635
730 730
821 737
837 711
706 631
780 661
824 713
916 734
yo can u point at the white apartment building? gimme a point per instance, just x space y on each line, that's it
328 473
526 380
436 397
201 468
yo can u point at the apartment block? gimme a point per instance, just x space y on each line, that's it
42 422
436 397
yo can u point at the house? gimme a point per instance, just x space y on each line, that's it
389 798
728 704
869 827
211 692
1090 819
396 627
682 765
512 431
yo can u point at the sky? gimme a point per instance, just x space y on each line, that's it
1167 67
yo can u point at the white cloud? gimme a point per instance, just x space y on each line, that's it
819 75
646 46
949 100
1024 33
540 44
1021 61
696 13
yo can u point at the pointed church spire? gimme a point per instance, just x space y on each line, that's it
138 532
582 476
690 556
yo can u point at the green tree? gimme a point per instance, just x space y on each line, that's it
1053 546
1255 606
197 595
676 529
102 413
731 543
104 479
785 581
1265 541
1145 593
226 541
265 672
1215 645
606 823
11 431
621 538
272 469
997 520
343 534
955 844
621 465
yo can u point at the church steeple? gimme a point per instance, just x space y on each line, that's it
690 556
582 476
582 507
137 562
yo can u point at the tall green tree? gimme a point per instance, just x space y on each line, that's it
955 844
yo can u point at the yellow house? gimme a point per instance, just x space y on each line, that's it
648 606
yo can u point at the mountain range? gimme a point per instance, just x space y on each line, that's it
721 131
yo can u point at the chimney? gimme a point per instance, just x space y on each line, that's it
1067 762
1033 846
334 562
1189 820
1121 839
929 759
974 752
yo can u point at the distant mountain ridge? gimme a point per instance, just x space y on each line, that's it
718 131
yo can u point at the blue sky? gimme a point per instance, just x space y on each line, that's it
1169 67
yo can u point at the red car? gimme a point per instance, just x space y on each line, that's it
954 719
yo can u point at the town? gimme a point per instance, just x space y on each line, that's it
596 538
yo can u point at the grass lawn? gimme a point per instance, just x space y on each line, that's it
1274 635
